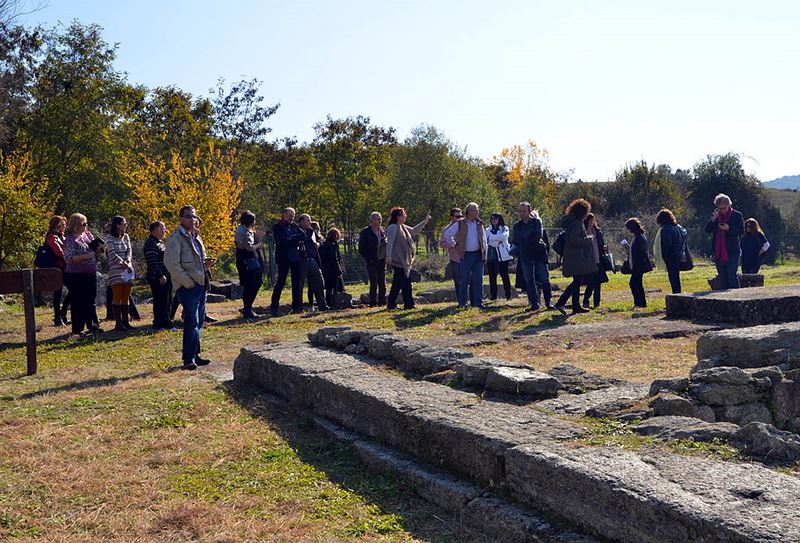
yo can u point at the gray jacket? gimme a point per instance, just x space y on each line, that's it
184 262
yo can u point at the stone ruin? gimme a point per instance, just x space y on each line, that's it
499 445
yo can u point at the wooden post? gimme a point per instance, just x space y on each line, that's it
30 324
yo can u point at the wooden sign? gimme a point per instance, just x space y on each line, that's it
29 282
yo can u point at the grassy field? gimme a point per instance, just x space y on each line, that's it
787 201
107 444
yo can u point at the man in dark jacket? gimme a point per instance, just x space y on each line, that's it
372 248
726 226
158 276
290 257
526 235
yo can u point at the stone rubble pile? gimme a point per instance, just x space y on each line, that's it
745 389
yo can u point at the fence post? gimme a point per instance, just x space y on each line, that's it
30 323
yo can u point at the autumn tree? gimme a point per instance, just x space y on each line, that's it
25 209
521 172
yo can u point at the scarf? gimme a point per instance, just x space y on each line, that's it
720 247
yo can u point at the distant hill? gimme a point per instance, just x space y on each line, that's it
791 182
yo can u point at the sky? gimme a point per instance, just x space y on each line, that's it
599 84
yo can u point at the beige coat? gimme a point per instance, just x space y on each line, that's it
400 246
184 262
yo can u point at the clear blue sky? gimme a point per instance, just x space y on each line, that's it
597 83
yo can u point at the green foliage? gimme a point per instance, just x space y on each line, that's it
24 211
641 188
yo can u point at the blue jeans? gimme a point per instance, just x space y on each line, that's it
729 273
471 279
529 273
193 301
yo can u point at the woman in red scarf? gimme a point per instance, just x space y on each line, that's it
726 226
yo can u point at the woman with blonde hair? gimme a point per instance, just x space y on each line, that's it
81 252
754 245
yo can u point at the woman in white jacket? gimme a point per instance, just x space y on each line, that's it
498 256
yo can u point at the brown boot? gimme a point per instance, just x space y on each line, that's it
126 322
117 312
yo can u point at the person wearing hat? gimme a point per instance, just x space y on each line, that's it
186 261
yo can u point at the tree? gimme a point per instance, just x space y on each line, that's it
239 117
640 188
18 50
351 156
521 173
25 210
160 188
80 100
430 173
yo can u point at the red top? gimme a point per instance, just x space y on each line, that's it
56 244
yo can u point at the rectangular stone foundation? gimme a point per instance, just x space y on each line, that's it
744 306
623 496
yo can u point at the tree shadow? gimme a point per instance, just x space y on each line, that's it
421 317
80 385
342 467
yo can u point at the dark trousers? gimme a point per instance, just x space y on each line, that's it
528 270
193 301
251 281
471 279
455 269
400 283
541 272
637 289
593 288
674 273
83 289
376 271
59 308
162 303
729 272
315 283
572 291
296 270
333 284
502 269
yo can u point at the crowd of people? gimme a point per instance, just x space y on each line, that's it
178 268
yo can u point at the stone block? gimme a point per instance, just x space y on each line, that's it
226 287
752 347
621 409
671 404
744 413
766 442
656 497
433 360
380 346
724 394
215 298
677 386
743 306
674 427
525 381
786 404
583 404
724 374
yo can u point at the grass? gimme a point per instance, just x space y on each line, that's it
106 444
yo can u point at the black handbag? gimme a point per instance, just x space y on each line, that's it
607 263
626 268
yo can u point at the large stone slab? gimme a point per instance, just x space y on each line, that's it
679 427
443 426
658 497
617 495
744 306
521 381
580 404
752 347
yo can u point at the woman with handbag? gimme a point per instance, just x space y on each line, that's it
671 245
639 261
497 255
249 263
599 249
578 255
400 250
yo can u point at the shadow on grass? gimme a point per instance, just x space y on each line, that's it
421 317
342 467
81 385
62 341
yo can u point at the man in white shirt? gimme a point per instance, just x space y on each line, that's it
470 245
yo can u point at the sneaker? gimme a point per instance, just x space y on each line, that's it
191 366
201 361
210 319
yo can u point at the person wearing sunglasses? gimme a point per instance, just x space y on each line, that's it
81 252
